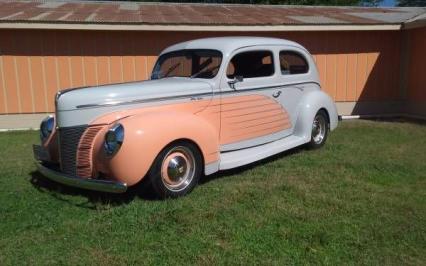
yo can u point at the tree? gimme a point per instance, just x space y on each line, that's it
411 3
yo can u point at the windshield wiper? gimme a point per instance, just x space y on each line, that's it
170 70
202 71
203 67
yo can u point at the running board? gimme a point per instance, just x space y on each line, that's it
241 157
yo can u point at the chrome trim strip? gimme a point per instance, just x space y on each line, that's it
91 184
72 89
190 96
61 92
269 87
159 99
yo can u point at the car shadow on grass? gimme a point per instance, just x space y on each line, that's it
96 199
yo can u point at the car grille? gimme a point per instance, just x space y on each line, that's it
69 137
85 152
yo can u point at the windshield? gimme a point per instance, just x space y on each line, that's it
188 63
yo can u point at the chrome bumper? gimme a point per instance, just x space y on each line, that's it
91 184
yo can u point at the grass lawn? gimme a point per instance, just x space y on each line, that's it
361 198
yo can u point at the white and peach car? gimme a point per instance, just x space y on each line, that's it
211 104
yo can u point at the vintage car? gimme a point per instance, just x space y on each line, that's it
211 104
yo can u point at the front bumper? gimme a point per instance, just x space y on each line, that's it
41 154
85 183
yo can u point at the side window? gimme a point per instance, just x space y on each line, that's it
251 64
293 63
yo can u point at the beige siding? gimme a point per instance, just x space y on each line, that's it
35 64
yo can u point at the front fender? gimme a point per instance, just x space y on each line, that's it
309 105
147 134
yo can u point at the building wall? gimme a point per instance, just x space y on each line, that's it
359 69
416 72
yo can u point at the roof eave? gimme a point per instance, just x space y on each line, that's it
192 27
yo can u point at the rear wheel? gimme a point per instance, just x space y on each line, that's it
320 129
176 170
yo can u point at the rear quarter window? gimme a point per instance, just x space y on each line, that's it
293 63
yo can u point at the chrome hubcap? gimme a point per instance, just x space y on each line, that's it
319 128
178 168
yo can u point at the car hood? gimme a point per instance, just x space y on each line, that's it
130 93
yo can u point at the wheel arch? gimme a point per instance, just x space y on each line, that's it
327 115
187 140
309 106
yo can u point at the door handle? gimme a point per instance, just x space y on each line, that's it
276 94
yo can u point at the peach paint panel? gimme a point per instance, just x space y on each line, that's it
85 157
246 117
144 133
204 131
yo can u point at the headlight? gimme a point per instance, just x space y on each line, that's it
46 127
113 139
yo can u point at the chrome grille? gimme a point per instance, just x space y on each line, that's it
69 138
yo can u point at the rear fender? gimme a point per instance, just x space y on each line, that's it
309 106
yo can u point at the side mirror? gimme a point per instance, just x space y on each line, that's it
235 81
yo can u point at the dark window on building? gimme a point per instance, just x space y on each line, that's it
251 64
293 63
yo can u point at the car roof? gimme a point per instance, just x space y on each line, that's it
228 44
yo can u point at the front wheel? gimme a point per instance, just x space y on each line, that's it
320 129
176 170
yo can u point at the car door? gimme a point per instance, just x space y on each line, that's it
250 109
294 75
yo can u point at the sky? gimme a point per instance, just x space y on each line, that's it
387 3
